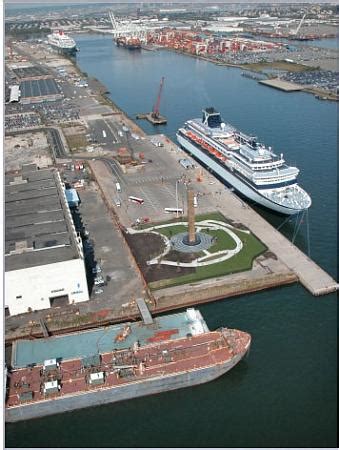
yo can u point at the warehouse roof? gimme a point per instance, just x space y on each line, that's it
38 228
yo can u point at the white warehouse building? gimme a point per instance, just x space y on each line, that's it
44 260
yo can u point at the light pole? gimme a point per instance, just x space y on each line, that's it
176 197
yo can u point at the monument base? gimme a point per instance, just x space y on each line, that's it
178 243
196 241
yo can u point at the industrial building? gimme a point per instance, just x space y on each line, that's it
44 261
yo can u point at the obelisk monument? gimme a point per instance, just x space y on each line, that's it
192 238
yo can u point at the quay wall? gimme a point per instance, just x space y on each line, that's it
211 290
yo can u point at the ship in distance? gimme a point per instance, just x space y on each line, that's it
157 364
62 43
251 168
129 42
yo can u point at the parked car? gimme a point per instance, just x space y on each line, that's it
99 281
98 291
96 269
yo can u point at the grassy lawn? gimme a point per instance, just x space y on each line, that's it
171 231
224 241
211 216
239 263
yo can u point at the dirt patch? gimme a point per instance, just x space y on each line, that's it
74 130
146 246
76 141
27 148
174 255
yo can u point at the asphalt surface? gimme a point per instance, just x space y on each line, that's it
57 145
106 247
38 88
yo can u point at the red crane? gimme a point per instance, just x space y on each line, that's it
155 112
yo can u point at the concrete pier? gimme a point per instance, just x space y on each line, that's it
310 275
283 85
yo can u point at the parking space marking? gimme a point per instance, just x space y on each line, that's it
147 180
170 191
148 198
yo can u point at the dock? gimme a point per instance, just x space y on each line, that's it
310 275
286 86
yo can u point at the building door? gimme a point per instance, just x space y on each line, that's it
60 300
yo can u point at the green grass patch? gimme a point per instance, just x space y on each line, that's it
172 230
223 240
239 263
211 216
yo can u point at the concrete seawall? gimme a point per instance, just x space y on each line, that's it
217 289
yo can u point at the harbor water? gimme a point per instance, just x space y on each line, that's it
284 393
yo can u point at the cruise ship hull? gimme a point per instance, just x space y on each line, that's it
113 394
65 51
226 174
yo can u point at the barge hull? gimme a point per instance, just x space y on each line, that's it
107 395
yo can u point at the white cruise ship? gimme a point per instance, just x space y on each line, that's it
62 43
247 165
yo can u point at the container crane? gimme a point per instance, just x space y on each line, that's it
296 32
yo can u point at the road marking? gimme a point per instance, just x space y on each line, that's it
111 129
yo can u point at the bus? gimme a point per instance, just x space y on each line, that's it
140 201
174 210
118 187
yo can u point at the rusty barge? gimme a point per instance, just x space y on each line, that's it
162 363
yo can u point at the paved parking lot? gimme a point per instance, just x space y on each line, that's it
123 283
161 183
